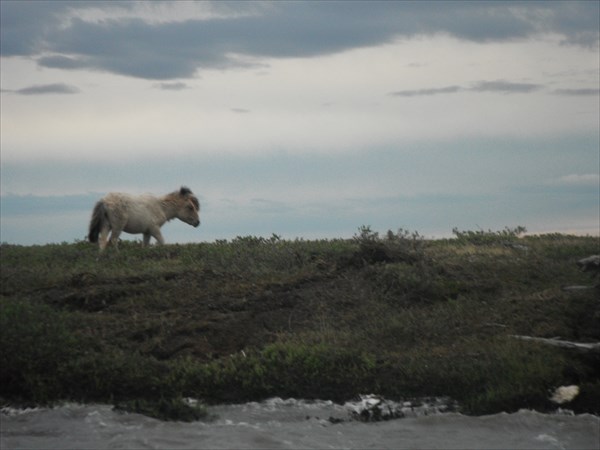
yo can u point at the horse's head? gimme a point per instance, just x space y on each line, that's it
188 207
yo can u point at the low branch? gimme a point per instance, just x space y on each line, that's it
579 346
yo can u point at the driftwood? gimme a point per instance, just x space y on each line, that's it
578 288
578 346
590 264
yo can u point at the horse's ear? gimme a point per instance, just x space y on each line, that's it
184 191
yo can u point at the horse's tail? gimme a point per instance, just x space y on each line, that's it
98 219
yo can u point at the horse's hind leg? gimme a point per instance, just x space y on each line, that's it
103 238
114 238
147 237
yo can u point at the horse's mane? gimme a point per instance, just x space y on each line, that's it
187 192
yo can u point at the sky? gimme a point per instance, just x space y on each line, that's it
303 119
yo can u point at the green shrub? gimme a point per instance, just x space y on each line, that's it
36 344
402 246
281 369
489 237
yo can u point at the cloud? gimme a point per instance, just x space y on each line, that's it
178 86
586 179
20 205
584 92
240 110
426 92
56 88
501 86
505 87
160 41
61 62
266 206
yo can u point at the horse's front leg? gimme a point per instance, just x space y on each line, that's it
155 232
147 237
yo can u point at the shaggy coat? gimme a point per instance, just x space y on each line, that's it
142 214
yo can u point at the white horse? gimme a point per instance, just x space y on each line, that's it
143 214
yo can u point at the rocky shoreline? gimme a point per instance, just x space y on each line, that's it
375 408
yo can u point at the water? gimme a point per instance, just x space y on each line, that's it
291 424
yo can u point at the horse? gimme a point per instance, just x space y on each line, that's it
145 214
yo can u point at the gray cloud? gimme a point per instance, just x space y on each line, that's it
426 92
62 62
505 87
54 34
32 205
178 86
578 92
57 88
502 86
267 206
23 25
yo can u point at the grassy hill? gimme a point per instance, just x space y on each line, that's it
232 321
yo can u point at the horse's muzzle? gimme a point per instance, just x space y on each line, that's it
197 224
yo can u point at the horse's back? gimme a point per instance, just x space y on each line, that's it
133 213
128 201
119 197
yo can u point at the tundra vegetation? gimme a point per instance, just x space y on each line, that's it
245 319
